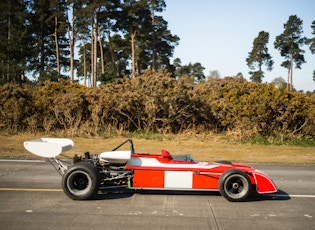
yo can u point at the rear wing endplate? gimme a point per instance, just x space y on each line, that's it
48 147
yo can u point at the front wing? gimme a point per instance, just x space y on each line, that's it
263 183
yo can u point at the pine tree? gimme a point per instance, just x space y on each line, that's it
95 23
311 43
38 37
192 71
50 45
289 43
152 44
259 56
135 18
15 40
165 43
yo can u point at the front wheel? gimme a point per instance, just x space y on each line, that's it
235 185
81 181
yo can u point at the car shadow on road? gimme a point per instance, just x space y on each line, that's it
279 196
179 192
114 194
126 193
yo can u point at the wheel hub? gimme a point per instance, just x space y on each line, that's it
235 186
81 181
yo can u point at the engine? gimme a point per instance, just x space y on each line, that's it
111 168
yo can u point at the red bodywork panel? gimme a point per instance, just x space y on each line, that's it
148 179
263 183
161 171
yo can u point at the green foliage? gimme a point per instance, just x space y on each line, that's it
311 43
155 103
290 41
37 38
191 71
16 42
303 141
289 44
259 56
147 135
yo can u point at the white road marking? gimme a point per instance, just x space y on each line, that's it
289 195
308 216
32 189
27 161
60 190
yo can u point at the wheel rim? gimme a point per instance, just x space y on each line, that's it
79 183
236 186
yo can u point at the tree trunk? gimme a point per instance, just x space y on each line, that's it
133 71
57 46
93 52
95 57
112 54
101 49
260 71
84 64
42 55
290 78
92 55
71 41
154 64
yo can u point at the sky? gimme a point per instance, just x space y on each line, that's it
220 34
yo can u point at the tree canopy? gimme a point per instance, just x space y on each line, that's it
289 44
105 40
311 43
114 38
259 56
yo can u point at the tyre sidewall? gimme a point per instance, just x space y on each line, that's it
89 171
226 176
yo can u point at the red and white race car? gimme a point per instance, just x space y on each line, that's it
85 176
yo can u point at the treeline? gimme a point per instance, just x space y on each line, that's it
112 39
289 44
101 41
156 102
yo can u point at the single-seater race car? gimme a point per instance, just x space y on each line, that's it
84 176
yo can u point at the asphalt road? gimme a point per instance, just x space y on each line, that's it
31 198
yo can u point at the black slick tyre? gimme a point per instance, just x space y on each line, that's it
235 185
81 181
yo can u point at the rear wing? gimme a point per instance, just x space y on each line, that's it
48 147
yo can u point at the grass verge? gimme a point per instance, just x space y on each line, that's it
206 148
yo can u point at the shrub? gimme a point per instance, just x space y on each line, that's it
14 107
156 102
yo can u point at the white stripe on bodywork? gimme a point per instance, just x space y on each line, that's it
176 179
153 162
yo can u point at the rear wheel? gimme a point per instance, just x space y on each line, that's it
235 185
81 181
